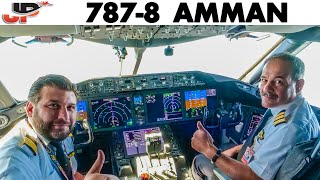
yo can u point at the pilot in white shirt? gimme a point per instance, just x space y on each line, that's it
292 122
25 155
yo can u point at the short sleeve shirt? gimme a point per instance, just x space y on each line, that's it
270 152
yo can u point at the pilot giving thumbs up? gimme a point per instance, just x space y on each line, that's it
201 140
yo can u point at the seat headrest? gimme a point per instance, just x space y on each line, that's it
316 111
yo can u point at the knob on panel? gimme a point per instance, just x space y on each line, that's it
4 120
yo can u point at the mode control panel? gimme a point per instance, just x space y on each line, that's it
109 85
101 86
186 80
143 82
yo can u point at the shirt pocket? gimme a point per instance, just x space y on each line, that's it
52 175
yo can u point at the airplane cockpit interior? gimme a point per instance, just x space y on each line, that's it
144 122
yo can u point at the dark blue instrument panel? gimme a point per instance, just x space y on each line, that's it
114 103
128 110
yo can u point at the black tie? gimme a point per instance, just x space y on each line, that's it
62 159
258 128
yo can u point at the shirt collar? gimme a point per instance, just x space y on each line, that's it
288 107
43 139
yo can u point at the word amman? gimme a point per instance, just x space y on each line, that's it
229 14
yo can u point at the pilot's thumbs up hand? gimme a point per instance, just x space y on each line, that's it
200 126
94 172
201 139
98 164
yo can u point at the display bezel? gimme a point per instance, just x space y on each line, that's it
170 120
108 97
146 120
124 141
199 117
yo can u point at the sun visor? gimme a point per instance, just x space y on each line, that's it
38 30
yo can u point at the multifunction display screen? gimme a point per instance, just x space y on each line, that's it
135 140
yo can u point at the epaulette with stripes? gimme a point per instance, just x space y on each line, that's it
70 155
71 137
30 143
280 118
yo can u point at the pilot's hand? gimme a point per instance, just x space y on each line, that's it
201 140
94 172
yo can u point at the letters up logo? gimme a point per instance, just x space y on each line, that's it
24 10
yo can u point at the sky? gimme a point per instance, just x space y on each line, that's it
20 67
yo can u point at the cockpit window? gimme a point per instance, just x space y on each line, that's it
85 60
310 57
216 55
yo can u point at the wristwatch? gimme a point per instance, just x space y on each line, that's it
216 156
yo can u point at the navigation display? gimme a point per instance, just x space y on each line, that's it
196 101
164 107
135 140
111 112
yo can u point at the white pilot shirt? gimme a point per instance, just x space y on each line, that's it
18 161
270 152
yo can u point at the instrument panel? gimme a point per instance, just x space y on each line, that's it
124 111
122 102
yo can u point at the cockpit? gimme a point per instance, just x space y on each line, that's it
147 121
144 122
